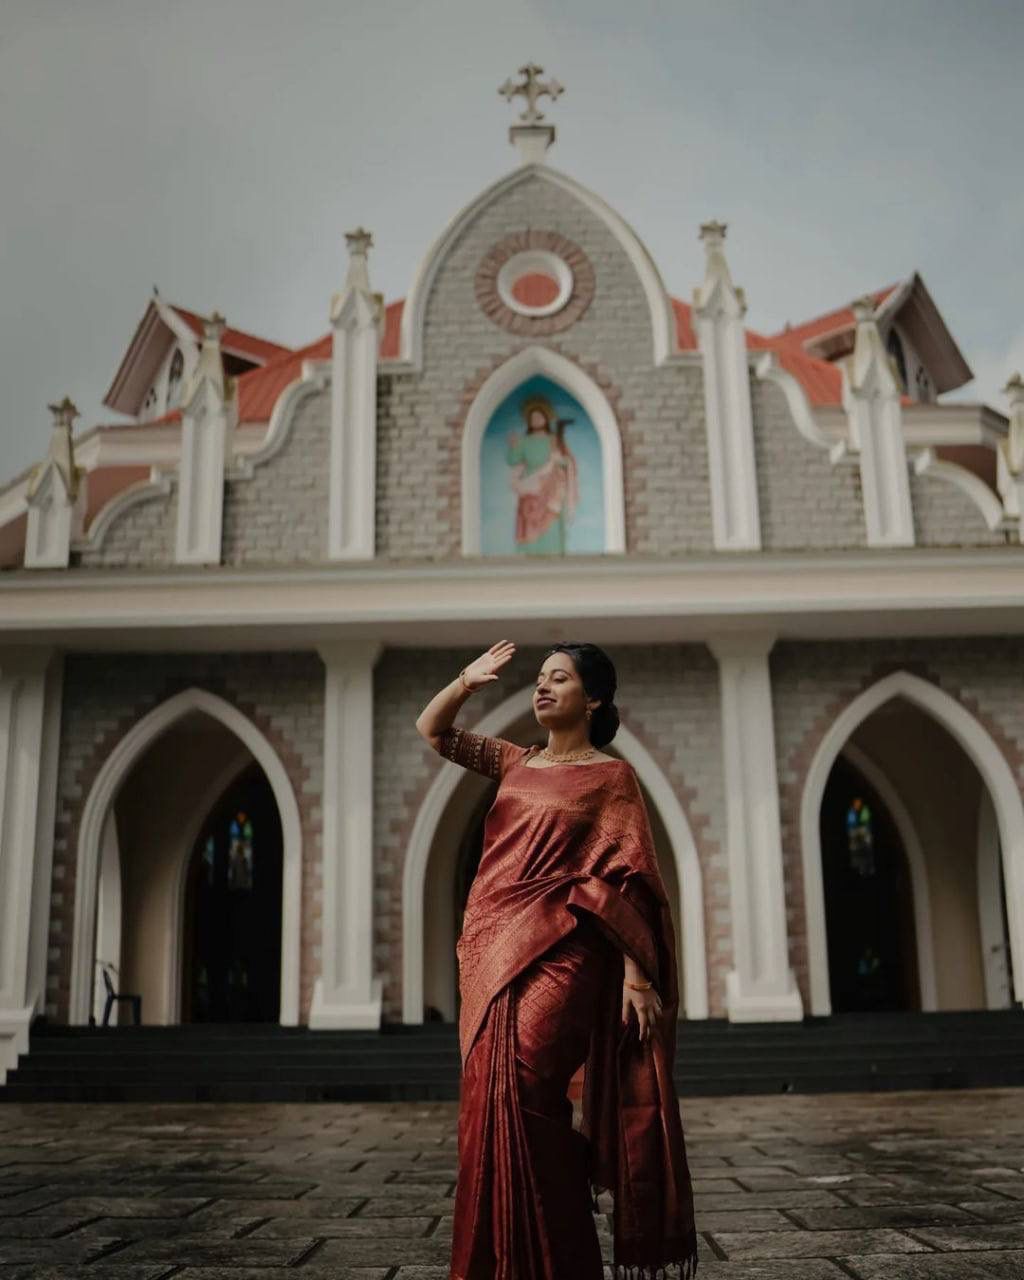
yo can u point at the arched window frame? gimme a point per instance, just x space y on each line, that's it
525 364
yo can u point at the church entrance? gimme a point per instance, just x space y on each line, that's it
231 945
869 915
913 895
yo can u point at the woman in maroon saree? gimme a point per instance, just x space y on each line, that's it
566 957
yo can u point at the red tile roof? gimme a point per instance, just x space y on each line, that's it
235 340
843 318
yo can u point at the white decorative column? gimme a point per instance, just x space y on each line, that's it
1010 459
356 317
25 806
871 398
718 310
347 993
209 413
760 987
54 497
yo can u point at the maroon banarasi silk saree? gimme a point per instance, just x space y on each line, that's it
567 881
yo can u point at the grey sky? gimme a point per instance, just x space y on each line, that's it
221 148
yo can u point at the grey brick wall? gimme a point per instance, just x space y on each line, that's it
813 681
804 500
279 516
143 536
106 694
667 696
660 411
944 516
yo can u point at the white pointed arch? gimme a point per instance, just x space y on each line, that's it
103 793
414 310
996 776
528 363
693 996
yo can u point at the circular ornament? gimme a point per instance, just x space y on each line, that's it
535 283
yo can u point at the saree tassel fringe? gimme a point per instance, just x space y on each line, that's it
687 1270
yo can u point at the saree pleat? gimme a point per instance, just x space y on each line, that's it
567 884
522 1206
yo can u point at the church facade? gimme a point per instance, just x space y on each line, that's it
220 619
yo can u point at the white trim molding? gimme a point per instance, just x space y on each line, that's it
761 986
718 310
928 463
660 308
525 364
694 991
160 484
768 369
103 793
996 775
347 992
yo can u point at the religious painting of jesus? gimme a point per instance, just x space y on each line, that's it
541 477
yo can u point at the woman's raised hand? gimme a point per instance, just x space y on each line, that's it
485 668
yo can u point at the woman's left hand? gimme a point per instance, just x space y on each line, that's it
647 1004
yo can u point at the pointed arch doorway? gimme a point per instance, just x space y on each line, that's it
960 821
140 825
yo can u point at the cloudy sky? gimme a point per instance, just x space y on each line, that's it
221 148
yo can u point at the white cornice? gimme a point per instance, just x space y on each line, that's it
928 424
924 591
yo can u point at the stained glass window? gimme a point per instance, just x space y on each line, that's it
860 839
240 852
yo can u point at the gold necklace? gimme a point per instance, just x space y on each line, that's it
581 753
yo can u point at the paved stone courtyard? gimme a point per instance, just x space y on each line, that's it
807 1187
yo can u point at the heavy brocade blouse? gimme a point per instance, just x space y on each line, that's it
560 840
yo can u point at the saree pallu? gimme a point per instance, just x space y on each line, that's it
567 882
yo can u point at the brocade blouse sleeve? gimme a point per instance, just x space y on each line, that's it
490 756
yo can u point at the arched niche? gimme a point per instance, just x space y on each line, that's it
488 501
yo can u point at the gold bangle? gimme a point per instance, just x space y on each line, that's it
462 680
646 987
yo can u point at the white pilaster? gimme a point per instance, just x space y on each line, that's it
209 413
718 310
871 398
760 987
54 497
347 993
356 316
1010 459
23 686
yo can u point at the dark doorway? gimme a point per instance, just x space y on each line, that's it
869 901
232 942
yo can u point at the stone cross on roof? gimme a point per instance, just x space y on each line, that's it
531 91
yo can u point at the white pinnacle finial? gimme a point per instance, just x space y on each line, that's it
531 136
359 243
213 327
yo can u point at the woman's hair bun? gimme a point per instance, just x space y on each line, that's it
604 724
